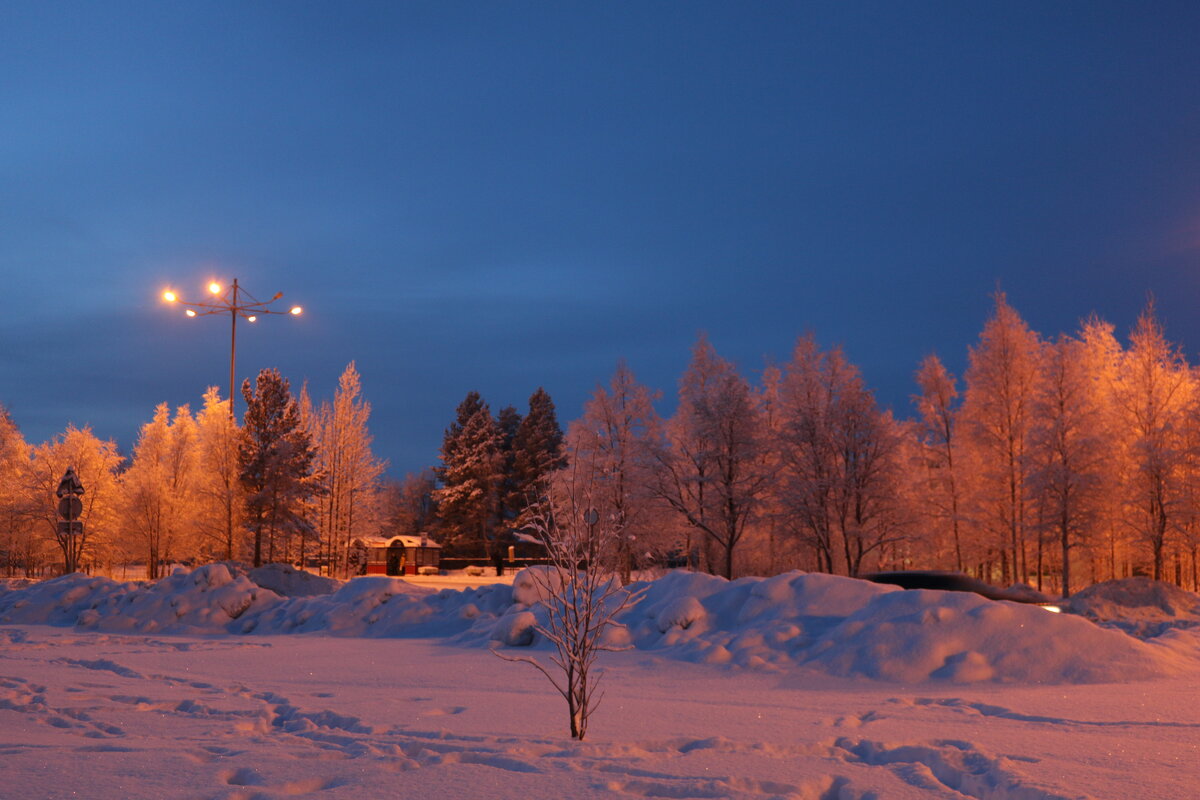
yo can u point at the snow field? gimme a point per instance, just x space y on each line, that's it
109 716
801 686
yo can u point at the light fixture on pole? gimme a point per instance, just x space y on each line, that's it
236 302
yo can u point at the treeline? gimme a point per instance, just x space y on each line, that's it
1053 462
294 482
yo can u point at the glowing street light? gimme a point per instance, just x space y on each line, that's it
236 302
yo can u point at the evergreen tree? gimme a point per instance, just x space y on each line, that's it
471 475
276 458
511 495
538 453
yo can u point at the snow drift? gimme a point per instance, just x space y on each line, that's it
791 622
1139 606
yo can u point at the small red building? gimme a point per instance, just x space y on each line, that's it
401 555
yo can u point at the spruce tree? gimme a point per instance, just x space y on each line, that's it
471 474
538 453
276 458
509 497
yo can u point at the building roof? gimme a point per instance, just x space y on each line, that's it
405 540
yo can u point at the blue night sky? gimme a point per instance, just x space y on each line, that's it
496 196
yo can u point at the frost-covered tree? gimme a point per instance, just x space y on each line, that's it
937 434
710 472
510 497
839 461
581 605
160 486
471 475
618 433
96 463
19 544
348 471
537 453
219 493
1069 453
1110 540
408 503
1001 380
276 458
1153 394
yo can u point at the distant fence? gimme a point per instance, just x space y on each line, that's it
453 564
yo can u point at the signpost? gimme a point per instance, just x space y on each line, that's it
70 529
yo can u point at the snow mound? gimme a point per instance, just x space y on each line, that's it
960 637
287 581
1139 606
793 623
850 627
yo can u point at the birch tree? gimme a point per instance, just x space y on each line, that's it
581 605
219 493
1001 380
97 463
710 471
348 471
1152 394
840 461
618 433
1069 451
21 547
937 432
159 487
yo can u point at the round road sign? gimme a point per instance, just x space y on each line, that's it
70 507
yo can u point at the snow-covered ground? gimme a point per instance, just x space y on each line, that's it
800 686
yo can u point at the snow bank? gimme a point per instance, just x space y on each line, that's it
287 581
1139 606
790 622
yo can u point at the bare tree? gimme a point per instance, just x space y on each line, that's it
937 431
839 461
581 597
1069 454
711 471
615 433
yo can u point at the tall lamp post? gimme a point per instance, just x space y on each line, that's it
236 302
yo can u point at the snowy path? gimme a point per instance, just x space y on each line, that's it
108 716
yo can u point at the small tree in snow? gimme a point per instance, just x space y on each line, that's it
581 596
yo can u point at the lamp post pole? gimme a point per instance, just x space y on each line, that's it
232 345
230 300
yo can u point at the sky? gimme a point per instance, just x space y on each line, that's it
501 196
